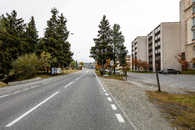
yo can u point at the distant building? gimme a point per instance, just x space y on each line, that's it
163 46
129 61
187 19
139 50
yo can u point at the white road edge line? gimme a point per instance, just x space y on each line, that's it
125 115
31 110
109 99
120 118
113 107
106 94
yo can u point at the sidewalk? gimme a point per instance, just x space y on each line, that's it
136 105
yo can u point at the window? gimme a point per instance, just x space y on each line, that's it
194 50
193 21
193 9
193 37
193 66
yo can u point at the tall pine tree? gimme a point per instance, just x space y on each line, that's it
119 50
12 42
103 43
31 36
55 40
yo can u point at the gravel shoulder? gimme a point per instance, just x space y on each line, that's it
136 105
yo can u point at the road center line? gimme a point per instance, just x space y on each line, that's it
31 110
69 84
120 118
4 96
113 107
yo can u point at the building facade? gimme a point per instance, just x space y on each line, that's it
187 19
138 50
163 46
129 61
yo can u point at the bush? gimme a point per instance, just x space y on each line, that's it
45 61
25 66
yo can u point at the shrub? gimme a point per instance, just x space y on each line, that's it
45 61
25 66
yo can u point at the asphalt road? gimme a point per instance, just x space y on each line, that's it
75 102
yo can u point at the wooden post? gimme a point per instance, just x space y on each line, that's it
157 78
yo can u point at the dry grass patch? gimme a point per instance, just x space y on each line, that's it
2 84
117 77
180 108
69 71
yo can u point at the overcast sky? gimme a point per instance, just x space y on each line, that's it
136 17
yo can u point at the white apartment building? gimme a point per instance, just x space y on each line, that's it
187 19
163 46
139 50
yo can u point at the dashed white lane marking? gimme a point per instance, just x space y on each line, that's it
4 96
130 122
69 84
16 92
31 110
106 94
120 118
109 99
113 107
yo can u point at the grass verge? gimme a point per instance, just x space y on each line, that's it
191 72
2 84
117 77
180 108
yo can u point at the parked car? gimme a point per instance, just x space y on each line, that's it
170 71
117 72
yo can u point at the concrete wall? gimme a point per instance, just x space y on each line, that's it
170 42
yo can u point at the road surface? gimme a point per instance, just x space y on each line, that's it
75 102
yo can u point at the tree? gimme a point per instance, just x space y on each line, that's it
31 36
103 43
12 40
118 40
140 65
181 59
122 53
55 40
